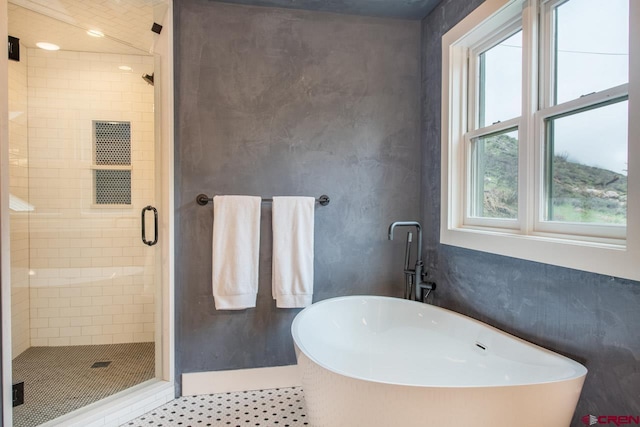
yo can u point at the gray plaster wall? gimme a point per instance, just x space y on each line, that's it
286 102
591 318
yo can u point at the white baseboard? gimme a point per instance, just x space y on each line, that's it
240 380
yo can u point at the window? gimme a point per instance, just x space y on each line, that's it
499 76
493 180
586 166
537 144
495 101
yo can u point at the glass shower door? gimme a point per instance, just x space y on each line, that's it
85 173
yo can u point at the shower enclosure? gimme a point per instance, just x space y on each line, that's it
84 169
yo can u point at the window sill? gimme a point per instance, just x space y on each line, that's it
608 258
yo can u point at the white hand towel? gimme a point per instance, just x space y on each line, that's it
236 249
292 275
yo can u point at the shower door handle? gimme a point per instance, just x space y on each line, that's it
155 226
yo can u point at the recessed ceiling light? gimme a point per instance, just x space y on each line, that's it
125 68
47 46
95 33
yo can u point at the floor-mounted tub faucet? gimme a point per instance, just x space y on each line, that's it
414 279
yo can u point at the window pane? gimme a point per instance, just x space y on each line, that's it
587 158
494 175
592 47
500 82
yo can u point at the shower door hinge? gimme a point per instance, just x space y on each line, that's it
14 48
18 393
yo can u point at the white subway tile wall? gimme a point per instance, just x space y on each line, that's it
18 205
91 277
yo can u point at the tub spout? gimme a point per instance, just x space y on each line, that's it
417 273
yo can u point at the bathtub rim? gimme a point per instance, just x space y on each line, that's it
580 369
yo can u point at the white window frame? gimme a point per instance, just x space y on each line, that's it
473 128
613 250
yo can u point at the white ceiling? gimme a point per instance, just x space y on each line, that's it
125 23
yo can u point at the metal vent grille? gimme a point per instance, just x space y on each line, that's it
112 143
113 187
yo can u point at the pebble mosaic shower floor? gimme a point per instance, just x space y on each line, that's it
59 380
282 407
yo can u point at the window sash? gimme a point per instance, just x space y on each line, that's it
611 233
474 86
547 55
470 188
547 60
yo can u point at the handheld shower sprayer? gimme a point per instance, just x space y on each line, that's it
408 277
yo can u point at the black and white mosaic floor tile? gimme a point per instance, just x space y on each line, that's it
282 407
59 380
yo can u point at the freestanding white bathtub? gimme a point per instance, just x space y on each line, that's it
371 361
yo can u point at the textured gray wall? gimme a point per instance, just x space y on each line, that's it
287 102
591 318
